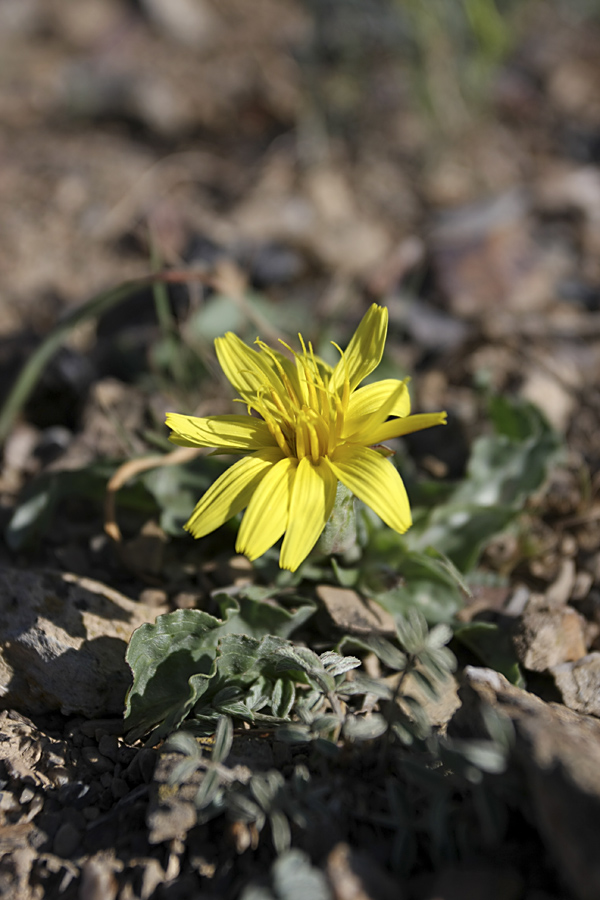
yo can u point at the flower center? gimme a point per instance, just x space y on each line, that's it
304 414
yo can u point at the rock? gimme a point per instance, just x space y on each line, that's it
558 751
66 839
63 642
545 637
486 259
579 684
439 711
354 875
354 614
97 878
474 882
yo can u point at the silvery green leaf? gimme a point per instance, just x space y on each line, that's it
338 665
403 732
259 694
255 892
183 771
266 786
294 878
388 653
244 808
184 742
238 709
280 831
439 635
208 789
326 724
484 755
223 739
293 734
362 684
364 728
283 697
426 683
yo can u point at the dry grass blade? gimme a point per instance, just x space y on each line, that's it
134 467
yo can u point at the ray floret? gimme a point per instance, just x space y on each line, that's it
309 426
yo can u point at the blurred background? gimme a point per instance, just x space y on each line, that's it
305 158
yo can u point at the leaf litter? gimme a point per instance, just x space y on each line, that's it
416 715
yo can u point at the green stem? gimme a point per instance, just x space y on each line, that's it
339 534
33 368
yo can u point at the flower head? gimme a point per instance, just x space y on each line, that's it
309 426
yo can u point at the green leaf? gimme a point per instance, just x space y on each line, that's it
493 647
37 504
171 662
516 418
208 790
503 470
364 728
188 654
259 618
294 878
33 368
336 664
283 697
383 649
428 585
223 740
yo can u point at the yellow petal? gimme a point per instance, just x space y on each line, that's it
365 349
248 370
266 518
376 482
397 427
226 432
374 403
230 493
312 500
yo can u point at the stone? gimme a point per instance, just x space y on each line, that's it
354 614
66 839
558 753
545 637
579 684
63 641
354 875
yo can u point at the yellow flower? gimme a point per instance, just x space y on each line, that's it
309 426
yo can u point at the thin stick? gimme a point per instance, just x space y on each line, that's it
134 467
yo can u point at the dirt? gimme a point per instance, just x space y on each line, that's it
278 157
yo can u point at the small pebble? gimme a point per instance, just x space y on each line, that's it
95 728
8 801
94 758
91 813
187 599
109 746
153 597
147 763
66 840
26 795
119 788
58 775
126 755
106 800
50 822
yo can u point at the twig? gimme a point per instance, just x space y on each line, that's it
134 467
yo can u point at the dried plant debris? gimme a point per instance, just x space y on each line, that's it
177 721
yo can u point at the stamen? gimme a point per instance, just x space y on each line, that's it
346 389
278 435
300 441
283 374
314 442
